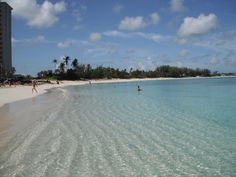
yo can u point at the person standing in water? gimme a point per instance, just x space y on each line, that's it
139 89
34 84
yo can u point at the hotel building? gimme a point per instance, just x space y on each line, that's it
5 37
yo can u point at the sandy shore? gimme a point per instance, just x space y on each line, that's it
12 94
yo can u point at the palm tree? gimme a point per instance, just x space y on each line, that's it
66 60
130 70
75 63
55 62
88 71
62 67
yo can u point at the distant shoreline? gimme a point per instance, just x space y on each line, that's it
13 94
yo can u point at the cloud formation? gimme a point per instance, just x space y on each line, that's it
177 5
201 25
132 23
135 23
37 15
94 37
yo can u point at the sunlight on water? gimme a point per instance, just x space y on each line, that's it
171 128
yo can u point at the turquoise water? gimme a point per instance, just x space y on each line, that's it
171 128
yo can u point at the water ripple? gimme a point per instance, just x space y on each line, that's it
92 133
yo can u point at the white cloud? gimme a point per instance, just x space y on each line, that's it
64 44
155 37
94 37
132 23
177 5
198 26
135 23
118 8
37 15
155 18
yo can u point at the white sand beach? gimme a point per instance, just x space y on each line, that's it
16 93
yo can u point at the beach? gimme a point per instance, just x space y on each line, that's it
19 92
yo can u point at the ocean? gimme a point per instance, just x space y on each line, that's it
182 127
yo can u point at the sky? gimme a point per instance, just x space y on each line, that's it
141 34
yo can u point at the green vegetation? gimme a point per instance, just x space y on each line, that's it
71 70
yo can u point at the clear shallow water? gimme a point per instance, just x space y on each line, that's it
171 128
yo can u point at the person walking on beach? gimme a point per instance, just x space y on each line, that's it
34 84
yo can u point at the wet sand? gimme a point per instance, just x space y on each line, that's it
17 116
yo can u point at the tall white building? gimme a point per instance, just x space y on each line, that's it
5 36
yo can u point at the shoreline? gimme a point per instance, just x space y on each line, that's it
13 94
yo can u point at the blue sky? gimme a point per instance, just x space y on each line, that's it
124 33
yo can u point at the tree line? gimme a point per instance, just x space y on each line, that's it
69 69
